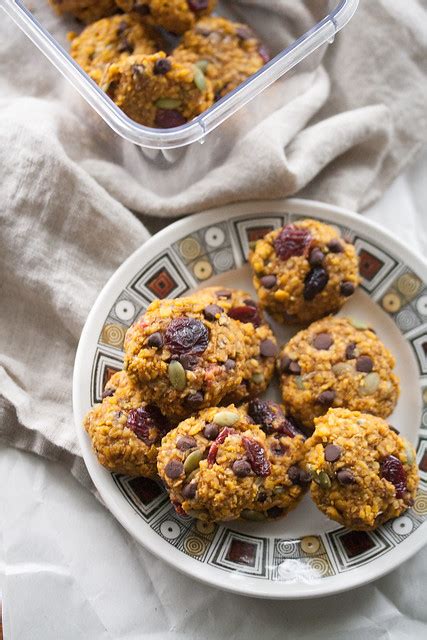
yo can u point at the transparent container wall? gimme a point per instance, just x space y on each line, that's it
296 33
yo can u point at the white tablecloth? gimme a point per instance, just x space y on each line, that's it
70 571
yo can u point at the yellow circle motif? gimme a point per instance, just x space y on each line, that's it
203 270
113 334
205 527
194 546
310 544
391 302
409 285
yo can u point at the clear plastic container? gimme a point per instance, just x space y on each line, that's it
311 25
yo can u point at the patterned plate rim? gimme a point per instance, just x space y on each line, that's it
111 487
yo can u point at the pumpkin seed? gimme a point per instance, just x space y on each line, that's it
167 103
258 378
202 64
342 368
370 384
190 477
177 376
192 461
358 324
322 479
278 490
253 516
199 79
226 418
299 383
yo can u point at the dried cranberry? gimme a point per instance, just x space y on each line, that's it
142 419
270 417
198 5
393 471
244 33
264 54
315 281
246 314
178 508
169 118
293 241
221 437
186 335
256 456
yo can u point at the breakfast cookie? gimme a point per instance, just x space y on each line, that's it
187 353
213 464
175 16
362 472
337 362
260 344
112 40
304 271
85 10
157 91
280 491
228 52
125 431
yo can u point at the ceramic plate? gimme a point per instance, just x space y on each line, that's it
303 555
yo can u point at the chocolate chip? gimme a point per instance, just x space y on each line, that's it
268 282
345 476
162 66
211 431
125 46
188 360
122 27
186 442
332 453
141 9
327 397
241 468
223 293
189 491
198 5
250 303
285 361
275 512
347 289
262 497
211 311
230 364
277 448
174 469
298 476
194 400
364 364
335 246
350 351
323 341
108 392
316 257
394 429
294 368
155 340
267 348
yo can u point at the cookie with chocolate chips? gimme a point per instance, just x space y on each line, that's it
362 473
175 16
337 362
304 271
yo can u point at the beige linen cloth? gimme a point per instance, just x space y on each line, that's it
346 130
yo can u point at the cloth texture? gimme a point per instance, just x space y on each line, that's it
351 121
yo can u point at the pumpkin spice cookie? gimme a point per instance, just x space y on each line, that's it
304 271
156 90
187 353
337 362
213 464
85 10
283 488
175 16
112 40
260 343
126 431
363 473
228 52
